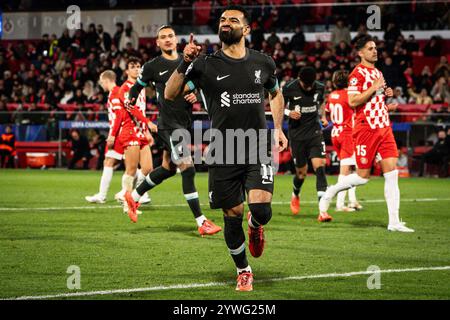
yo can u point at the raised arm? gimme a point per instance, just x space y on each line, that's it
176 83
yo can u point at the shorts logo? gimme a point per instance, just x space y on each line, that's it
210 196
225 99
258 76
364 160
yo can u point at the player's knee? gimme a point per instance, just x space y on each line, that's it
237 211
146 169
301 172
261 212
109 162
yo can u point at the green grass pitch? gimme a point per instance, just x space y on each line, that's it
56 228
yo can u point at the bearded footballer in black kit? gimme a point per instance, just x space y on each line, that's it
304 98
173 115
232 82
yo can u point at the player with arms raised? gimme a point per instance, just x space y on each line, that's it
372 132
173 115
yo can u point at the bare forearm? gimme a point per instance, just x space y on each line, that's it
359 99
277 108
174 86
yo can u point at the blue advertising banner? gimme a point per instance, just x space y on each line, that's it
1 23
83 125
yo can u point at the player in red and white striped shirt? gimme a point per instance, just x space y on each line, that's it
372 133
341 135
131 130
115 154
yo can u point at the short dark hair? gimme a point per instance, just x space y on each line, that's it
362 42
340 79
164 26
132 60
241 9
307 75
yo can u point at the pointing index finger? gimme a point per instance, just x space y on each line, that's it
191 38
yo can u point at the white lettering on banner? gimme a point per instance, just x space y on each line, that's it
32 25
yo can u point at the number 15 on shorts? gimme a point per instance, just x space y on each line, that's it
361 150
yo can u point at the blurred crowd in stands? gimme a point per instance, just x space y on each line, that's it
272 15
64 69
59 73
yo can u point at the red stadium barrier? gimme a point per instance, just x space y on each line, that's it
48 148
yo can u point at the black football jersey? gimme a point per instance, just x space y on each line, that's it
233 89
308 104
175 114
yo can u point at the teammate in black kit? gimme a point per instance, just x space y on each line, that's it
173 115
304 98
232 82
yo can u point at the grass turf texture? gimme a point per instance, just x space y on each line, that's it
164 248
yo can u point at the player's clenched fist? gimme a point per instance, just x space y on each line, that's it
191 51
389 92
191 98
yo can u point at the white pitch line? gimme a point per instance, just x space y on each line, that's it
219 284
203 204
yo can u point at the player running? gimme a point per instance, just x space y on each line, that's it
304 97
131 129
172 115
232 82
115 154
372 133
341 135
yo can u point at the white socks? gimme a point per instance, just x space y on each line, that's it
200 220
346 183
248 269
139 177
127 182
105 181
392 196
136 196
352 195
340 199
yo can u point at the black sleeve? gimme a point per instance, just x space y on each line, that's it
195 72
145 77
321 92
272 82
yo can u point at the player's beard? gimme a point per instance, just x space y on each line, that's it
231 37
168 52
